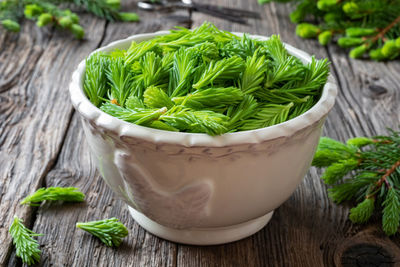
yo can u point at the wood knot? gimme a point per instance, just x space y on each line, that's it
366 255
377 89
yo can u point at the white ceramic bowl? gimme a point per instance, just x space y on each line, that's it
195 188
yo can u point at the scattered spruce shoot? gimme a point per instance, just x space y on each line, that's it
204 80
109 231
367 172
27 248
368 28
67 194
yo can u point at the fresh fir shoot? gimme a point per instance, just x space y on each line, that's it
27 248
68 194
367 27
109 231
367 171
50 12
204 80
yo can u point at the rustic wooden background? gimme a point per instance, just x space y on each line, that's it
42 144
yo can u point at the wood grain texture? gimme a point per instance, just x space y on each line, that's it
71 165
65 245
42 144
34 112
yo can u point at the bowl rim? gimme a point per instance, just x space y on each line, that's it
288 128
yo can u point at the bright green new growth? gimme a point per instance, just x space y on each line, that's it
367 27
68 194
26 247
53 12
109 231
204 81
373 167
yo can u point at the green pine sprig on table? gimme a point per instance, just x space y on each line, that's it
204 80
53 12
27 248
367 27
366 171
67 194
109 231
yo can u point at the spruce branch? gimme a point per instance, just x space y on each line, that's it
391 211
366 27
52 12
109 231
366 171
27 248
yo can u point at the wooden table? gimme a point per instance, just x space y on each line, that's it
42 144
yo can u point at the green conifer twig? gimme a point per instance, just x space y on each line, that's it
68 194
27 248
373 167
109 231
367 27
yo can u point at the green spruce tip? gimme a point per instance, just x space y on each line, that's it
359 51
325 37
44 19
27 248
307 30
11 25
326 5
65 22
157 98
68 194
350 8
78 31
128 16
376 54
347 42
330 151
391 212
297 15
325 158
337 170
109 231
360 141
363 211
390 49
114 4
359 32
32 10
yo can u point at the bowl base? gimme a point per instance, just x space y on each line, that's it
202 236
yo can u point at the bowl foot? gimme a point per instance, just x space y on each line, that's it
202 236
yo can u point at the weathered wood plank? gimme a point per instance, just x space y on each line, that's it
65 245
34 111
62 243
308 229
